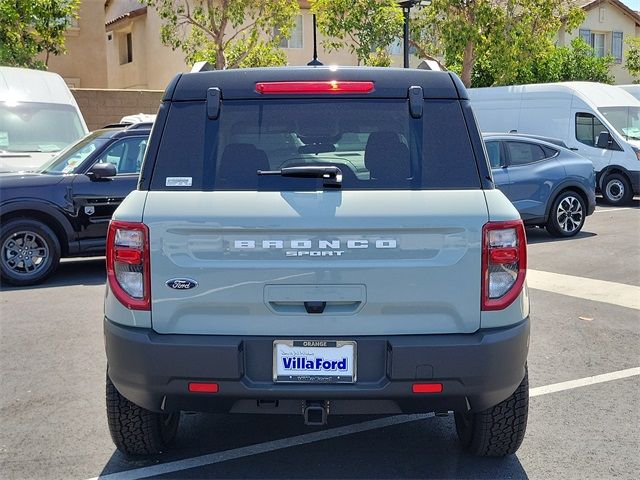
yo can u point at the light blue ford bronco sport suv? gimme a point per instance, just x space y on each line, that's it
316 241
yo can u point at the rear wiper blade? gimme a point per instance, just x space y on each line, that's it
331 174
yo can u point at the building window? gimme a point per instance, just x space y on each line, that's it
295 40
125 48
597 43
396 48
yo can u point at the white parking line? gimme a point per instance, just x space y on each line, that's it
613 209
583 382
171 467
587 288
209 459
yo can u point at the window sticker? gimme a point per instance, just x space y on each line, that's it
179 181
4 139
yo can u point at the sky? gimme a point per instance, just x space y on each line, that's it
635 4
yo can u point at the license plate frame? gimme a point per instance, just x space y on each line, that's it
315 345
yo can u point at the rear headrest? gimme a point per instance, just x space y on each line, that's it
239 164
387 158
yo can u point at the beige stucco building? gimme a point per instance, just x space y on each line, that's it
116 44
85 63
137 59
607 26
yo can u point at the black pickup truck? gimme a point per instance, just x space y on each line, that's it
63 209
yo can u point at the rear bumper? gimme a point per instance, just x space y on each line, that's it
477 371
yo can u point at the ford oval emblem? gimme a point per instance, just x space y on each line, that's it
181 283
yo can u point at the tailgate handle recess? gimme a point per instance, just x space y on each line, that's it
315 299
315 307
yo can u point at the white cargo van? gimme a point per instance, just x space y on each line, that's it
601 122
632 89
38 117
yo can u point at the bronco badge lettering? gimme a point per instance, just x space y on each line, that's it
327 248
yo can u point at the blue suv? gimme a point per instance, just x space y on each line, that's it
550 185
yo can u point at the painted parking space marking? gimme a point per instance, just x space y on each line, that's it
614 293
257 449
614 209
583 382
172 467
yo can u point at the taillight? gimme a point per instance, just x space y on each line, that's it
504 263
330 86
128 264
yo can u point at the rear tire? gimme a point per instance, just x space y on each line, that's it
567 214
616 189
499 430
135 430
29 252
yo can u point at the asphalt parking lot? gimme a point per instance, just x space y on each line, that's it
584 368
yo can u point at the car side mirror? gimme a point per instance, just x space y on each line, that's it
604 140
100 171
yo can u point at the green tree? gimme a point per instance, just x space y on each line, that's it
29 28
576 62
365 27
227 33
632 64
504 38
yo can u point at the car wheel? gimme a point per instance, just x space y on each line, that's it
29 250
567 215
497 431
136 430
616 189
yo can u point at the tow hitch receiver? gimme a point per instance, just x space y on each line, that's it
315 412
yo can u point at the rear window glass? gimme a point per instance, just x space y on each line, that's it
521 153
375 143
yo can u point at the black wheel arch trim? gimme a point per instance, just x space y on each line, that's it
602 174
566 185
59 223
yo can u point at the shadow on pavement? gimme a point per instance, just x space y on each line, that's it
635 203
540 235
422 449
86 271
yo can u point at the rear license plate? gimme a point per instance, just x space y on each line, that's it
314 361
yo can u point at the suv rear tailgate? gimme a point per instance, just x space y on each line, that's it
381 262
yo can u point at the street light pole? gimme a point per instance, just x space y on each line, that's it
407 10
406 6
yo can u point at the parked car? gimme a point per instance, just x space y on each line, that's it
551 186
38 117
63 209
600 122
323 241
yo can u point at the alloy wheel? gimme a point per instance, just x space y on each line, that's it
25 253
569 214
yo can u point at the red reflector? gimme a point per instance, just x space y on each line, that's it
503 255
128 255
332 86
427 388
203 387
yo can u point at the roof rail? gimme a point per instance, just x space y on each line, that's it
116 125
138 126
